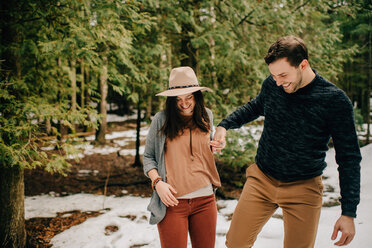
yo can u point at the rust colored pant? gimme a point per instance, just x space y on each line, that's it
197 216
301 202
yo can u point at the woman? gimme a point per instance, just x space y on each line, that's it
179 161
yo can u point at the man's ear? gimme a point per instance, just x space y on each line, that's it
304 63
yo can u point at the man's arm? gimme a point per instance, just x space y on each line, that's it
348 158
244 114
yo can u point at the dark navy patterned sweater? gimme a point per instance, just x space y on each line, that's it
297 129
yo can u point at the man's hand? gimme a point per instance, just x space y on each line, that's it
165 192
219 139
345 225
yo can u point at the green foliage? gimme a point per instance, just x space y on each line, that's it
22 127
38 59
48 42
357 33
225 42
358 119
240 149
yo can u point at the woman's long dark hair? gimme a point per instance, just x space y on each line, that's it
175 122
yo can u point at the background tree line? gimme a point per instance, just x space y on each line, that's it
63 61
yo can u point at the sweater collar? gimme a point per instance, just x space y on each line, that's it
307 88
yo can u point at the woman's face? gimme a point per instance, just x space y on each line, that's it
186 104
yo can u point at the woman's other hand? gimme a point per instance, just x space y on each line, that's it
166 193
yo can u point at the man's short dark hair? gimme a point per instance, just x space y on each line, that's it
290 47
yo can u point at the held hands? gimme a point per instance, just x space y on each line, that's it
219 139
345 224
166 193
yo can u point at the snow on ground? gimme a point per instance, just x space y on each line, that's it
119 140
118 118
362 131
130 215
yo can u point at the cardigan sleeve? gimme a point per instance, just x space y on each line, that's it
149 156
210 115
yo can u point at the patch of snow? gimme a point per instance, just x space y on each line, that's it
132 152
129 214
47 148
123 142
101 150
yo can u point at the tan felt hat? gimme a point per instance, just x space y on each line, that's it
182 80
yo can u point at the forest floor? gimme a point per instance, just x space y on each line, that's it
110 174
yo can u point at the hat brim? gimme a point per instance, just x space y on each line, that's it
183 91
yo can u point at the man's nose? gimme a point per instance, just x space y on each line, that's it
279 82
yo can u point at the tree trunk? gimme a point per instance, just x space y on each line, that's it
82 86
149 107
73 88
73 83
165 61
48 126
137 161
102 127
12 211
191 58
149 100
187 49
87 81
212 45
62 129
369 85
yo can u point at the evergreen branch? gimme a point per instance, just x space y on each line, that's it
219 10
253 23
7 83
300 6
21 21
260 25
245 18
28 141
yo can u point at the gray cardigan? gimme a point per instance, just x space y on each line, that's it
153 158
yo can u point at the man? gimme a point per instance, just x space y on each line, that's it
302 112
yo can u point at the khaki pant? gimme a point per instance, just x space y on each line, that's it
301 202
196 216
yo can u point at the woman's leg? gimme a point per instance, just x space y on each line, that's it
202 221
174 227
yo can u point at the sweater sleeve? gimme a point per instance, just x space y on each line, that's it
210 116
149 157
246 113
348 157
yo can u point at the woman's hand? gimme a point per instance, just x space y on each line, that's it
219 139
166 193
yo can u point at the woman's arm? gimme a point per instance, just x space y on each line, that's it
165 191
149 156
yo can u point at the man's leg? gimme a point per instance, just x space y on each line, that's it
254 208
301 202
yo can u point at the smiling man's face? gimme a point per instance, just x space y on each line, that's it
286 75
